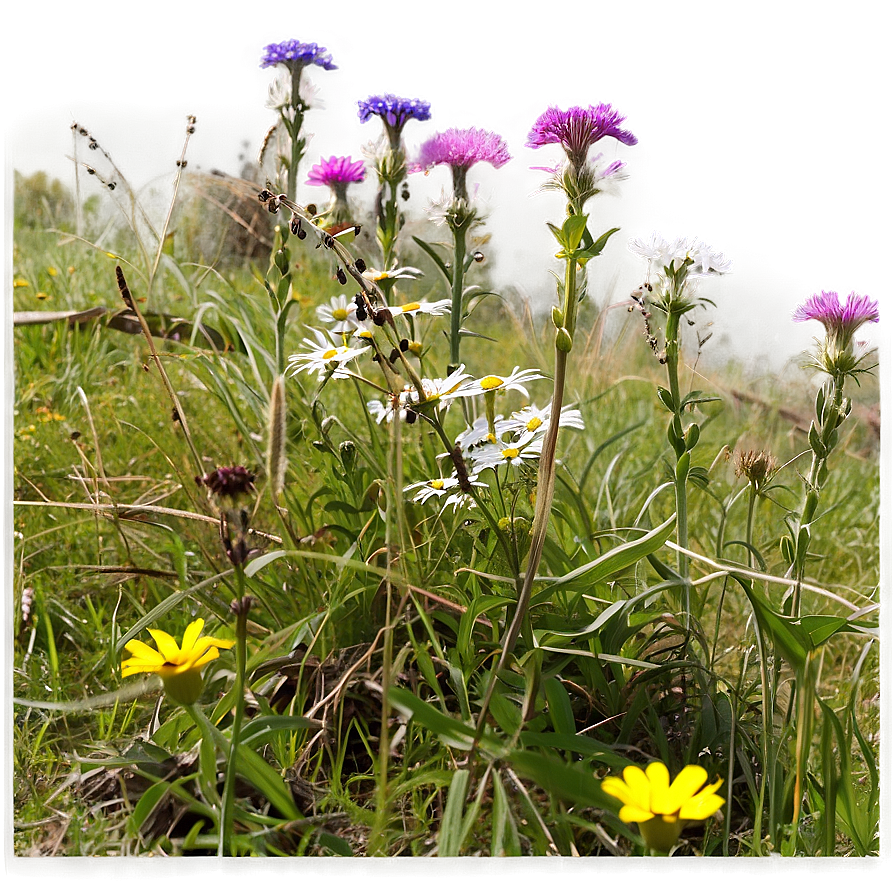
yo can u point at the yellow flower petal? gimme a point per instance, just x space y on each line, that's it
203 658
703 804
167 645
144 652
639 786
191 635
632 814
688 781
661 802
617 788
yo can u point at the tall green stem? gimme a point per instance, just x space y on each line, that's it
239 684
546 481
457 290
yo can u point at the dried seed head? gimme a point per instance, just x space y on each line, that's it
757 466
228 486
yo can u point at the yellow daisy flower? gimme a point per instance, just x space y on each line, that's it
661 809
178 667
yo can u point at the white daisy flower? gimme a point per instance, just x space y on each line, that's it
535 420
339 315
402 273
323 357
444 390
385 411
442 306
478 432
442 488
489 456
493 383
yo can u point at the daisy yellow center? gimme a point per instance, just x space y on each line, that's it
330 353
437 483
340 313
491 382
510 453
411 306
491 438
534 423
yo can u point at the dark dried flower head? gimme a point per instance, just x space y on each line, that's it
757 466
294 53
228 485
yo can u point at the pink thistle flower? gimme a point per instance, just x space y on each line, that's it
839 318
577 129
463 148
335 170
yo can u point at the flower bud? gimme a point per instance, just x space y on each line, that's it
563 340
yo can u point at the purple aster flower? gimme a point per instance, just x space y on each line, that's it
840 321
577 129
294 53
394 110
463 148
335 170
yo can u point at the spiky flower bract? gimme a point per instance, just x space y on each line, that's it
229 486
296 54
178 667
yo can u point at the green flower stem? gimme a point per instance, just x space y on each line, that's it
457 289
831 417
239 684
546 480
681 469
294 129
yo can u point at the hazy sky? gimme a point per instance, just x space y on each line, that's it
764 127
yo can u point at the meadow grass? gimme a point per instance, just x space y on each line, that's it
376 619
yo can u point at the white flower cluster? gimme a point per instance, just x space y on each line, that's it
676 252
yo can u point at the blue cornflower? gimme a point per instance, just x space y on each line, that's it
293 52
394 110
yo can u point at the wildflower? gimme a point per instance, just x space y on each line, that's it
534 420
324 357
296 55
461 148
514 454
661 810
757 466
230 487
443 391
837 354
52 271
340 314
335 170
442 487
394 111
385 411
481 431
178 667
437 308
492 383
19 282
840 321
389 276
679 253
577 129
41 296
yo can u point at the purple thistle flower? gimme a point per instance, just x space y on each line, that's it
842 320
294 53
394 110
463 148
577 129
335 170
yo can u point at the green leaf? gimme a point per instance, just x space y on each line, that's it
146 804
262 727
559 706
573 782
666 398
435 257
450 731
608 565
596 247
451 829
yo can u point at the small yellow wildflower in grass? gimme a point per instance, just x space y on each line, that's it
661 809
41 296
52 271
19 282
178 667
